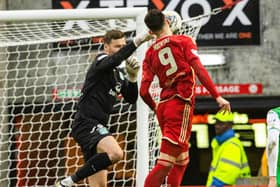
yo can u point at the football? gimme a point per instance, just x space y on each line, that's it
175 20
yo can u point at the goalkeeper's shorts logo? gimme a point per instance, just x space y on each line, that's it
100 129
103 131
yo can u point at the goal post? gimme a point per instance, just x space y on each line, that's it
44 55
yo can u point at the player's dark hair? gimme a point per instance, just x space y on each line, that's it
154 20
113 35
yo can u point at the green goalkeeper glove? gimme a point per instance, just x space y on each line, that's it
142 37
132 68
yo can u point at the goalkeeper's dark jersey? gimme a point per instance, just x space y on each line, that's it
104 82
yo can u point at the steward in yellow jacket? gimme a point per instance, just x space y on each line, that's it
229 158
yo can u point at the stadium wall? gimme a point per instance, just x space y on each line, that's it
256 64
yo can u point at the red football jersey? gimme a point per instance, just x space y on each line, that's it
174 60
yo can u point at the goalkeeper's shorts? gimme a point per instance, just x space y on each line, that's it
88 132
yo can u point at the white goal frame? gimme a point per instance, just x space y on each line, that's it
142 166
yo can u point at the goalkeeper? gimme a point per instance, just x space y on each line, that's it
273 156
174 60
103 83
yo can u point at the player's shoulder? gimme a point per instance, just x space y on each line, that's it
181 36
150 49
186 38
273 117
277 110
100 57
274 111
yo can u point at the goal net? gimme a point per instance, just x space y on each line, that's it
44 56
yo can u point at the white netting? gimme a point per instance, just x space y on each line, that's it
191 27
42 69
154 129
44 32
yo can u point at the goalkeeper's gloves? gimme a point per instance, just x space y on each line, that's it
142 37
132 68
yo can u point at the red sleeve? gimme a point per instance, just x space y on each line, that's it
147 78
201 72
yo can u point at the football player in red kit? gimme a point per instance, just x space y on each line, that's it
174 60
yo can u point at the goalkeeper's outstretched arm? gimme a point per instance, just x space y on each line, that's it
114 60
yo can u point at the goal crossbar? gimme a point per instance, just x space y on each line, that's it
73 14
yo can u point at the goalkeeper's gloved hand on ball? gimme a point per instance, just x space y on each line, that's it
142 37
132 68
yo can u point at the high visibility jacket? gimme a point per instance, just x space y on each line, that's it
229 162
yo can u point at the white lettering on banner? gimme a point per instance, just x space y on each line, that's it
219 36
83 24
133 3
111 3
228 89
232 35
224 89
172 5
120 3
204 4
204 90
237 13
198 90
206 36
235 89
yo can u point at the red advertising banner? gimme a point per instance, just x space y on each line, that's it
224 89
232 89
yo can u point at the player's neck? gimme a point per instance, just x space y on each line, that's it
163 34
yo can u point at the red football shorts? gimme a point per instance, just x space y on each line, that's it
174 117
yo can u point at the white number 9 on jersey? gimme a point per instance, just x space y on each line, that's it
166 57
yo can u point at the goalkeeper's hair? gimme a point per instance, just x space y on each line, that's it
113 34
154 20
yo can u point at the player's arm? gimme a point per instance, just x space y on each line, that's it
202 74
111 61
272 181
273 130
129 88
105 61
129 91
147 78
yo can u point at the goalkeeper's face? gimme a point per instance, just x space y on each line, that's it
114 46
